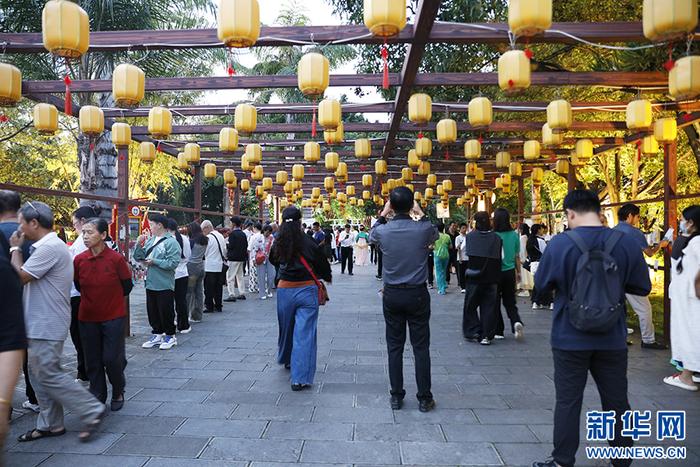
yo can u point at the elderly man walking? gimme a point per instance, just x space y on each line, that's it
215 269
404 243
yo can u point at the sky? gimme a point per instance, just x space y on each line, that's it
320 14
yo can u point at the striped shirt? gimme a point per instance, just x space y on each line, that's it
47 297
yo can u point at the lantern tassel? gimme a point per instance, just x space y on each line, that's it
385 60
230 69
68 106
447 154
4 118
313 125
639 151
669 64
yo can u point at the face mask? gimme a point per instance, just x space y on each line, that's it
683 227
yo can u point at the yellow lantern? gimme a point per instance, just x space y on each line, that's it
447 185
288 187
431 180
385 18
239 23
385 189
332 159
334 136
420 108
267 183
562 167
245 118
529 17
684 78
515 169
257 173
260 191
440 190
480 112
413 160
367 180
531 150
666 130
472 149
209 171
65 29
480 175
312 152
315 192
418 196
342 171
128 85
121 134
639 114
407 174
650 145
329 183
502 160
350 190
584 149
312 74
506 179
352 201
549 138
380 167
424 168
327 207
470 169
360 203
229 177
10 85
92 120
46 120
329 114
559 115
460 201
428 194
391 184
245 185
363 148
246 166
192 153
182 162
281 177
447 131
513 71
424 147
498 184
228 140
367 195
147 152
160 122
665 20
537 176
254 153
298 172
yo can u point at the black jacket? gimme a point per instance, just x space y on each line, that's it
296 272
237 247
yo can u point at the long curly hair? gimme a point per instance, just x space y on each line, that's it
289 241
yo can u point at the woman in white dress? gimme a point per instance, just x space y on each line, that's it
254 242
684 293
362 247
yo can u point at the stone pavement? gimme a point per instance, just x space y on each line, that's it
219 398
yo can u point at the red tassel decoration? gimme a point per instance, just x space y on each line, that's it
670 63
447 154
687 117
313 125
529 54
420 135
68 107
385 59
230 70
4 118
158 147
639 151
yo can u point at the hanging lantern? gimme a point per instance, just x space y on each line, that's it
562 167
472 149
92 120
470 169
254 153
329 183
515 169
267 183
505 178
360 203
584 149
65 29
559 116
428 194
424 147
363 148
440 190
447 131
352 201
230 177
431 180
529 17
159 122
380 167
480 112
367 180
413 160
312 152
341 172
418 196
332 159
342 198
288 188
245 185
315 192
366 195
257 173
326 207
329 114
502 160
334 136
498 184
649 145
298 172
399 182
639 114
192 153
684 78
121 134
245 119
210 171
407 174
147 153
312 74
506 189
10 85
531 150
480 175
385 189
228 140
424 168
350 190
514 71
420 108
447 185
297 184
391 184
46 120
665 130
246 166
665 20
537 176
182 162
281 177
385 18
549 138
128 85
239 23
260 191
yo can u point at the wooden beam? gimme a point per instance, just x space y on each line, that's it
670 222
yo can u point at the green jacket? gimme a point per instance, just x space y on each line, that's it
166 257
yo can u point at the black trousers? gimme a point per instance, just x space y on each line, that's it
104 353
183 320
483 324
401 307
506 294
161 312
609 370
461 268
451 262
213 291
28 389
431 269
346 258
75 337
380 260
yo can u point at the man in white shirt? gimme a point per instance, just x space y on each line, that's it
347 241
214 273
461 247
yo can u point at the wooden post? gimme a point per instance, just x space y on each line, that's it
521 200
571 178
122 231
670 222
237 201
198 192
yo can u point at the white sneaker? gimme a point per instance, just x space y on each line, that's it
551 306
696 379
29 406
462 291
630 331
498 337
186 331
155 340
269 295
195 320
168 342
264 297
485 341
524 293
519 334
536 306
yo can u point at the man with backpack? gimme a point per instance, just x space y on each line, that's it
590 268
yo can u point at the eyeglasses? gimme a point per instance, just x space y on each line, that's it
38 214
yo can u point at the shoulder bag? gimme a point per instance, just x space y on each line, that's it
224 264
322 291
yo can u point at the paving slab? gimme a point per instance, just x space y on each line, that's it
449 453
356 452
328 431
253 449
168 446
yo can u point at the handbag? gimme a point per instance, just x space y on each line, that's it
322 291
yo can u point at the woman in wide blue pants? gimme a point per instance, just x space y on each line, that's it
301 264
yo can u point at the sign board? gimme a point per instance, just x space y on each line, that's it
442 213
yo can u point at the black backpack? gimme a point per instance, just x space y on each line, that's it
594 303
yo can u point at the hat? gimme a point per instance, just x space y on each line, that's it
291 213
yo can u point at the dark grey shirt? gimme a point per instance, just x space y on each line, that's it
404 244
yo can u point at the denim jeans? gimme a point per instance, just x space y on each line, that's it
297 314
441 273
266 278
